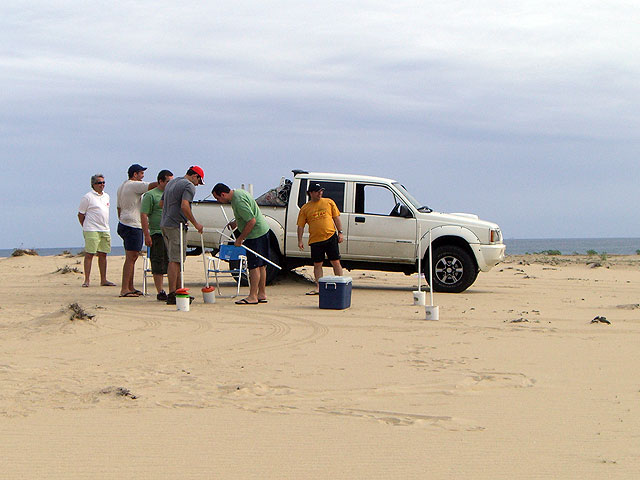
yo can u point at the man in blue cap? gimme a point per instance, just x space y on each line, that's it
130 226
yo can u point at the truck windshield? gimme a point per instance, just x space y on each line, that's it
413 201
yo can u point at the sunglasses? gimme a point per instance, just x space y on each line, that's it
100 183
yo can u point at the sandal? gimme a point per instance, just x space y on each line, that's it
312 292
244 301
129 295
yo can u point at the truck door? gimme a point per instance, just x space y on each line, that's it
333 190
382 225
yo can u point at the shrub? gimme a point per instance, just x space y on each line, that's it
18 252
550 252
591 252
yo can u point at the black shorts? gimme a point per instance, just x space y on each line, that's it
328 247
259 245
132 237
158 255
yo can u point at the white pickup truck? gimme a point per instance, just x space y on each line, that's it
381 222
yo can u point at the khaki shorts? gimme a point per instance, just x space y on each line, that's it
172 242
97 242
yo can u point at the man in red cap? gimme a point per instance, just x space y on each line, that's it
176 212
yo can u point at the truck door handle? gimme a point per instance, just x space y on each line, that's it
360 219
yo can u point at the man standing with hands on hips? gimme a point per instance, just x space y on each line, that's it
325 232
176 210
254 233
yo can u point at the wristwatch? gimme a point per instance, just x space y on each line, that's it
339 231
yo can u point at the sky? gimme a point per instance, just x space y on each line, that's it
525 113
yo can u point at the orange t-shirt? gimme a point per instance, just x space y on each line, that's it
319 215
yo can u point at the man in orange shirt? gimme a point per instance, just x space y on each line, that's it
325 231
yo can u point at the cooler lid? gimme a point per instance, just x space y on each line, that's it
335 279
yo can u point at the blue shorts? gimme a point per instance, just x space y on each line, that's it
131 236
259 245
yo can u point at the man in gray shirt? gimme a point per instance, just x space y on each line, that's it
176 210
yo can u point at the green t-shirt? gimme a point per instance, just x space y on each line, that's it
244 209
151 206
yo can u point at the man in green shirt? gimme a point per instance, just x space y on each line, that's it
150 216
254 233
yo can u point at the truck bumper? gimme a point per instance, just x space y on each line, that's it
488 256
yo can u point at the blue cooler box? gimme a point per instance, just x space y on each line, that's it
335 292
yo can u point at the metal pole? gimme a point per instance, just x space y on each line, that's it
204 262
419 257
255 253
181 259
430 270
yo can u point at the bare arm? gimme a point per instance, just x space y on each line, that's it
245 232
338 223
81 217
300 232
186 209
144 219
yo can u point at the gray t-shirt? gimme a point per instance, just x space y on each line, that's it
176 190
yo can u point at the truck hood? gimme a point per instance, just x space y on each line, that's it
468 220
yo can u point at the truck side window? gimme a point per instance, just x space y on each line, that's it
332 190
377 200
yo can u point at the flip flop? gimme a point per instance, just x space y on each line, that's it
85 285
263 300
108 284
313 292
138 292
245 302
130 295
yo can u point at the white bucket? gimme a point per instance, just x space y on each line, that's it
209 297
419 297
182 303
432 312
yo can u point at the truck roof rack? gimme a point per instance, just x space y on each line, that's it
297 172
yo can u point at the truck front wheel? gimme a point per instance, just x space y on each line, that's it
453 269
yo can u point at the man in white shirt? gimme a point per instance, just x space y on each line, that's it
130 225
93 214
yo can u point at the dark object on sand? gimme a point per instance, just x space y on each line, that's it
600 319
78 313
118 392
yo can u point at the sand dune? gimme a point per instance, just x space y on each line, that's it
513 381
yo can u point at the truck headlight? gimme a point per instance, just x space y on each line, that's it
495 235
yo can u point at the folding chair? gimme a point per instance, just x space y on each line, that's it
229 253
146 270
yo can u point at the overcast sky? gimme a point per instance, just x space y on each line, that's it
525 113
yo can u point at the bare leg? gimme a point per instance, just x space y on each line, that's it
173 274
128 271
254 285
337 268
318 273
262 285
158 280
102 265
88 258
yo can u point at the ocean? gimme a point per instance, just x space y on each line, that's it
515 246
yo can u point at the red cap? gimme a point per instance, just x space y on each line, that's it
199 171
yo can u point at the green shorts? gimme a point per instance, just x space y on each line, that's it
97 242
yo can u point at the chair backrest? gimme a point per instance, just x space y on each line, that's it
231 252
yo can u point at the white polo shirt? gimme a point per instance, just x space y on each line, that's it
129 199
95 208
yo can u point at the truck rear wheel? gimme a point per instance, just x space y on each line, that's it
453 269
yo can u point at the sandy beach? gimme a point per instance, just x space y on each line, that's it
513 381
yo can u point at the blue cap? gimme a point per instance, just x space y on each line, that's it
136 168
